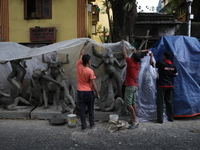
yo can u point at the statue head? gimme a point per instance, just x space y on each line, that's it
54 57
108 52
35 78
37 75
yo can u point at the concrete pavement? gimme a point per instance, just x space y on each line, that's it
23 134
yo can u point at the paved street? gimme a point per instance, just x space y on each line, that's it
182 134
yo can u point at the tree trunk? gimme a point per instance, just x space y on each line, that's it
123 20
109 20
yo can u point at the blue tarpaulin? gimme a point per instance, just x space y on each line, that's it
186 57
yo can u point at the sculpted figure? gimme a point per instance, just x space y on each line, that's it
43 81
68 104
56 71
67 101
8 101
16 77
111 73
112 104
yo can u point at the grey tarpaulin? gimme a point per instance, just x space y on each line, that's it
11 51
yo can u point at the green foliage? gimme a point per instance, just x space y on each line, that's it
104 8
150 8
171 6
128 6
99 28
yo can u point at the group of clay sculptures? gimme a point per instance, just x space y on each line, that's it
53 83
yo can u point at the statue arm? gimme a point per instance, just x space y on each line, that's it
97 66
67 60
118 65
51 79
94 52
43 60
3 62
48 63
23 63
61 69
5 94
47 68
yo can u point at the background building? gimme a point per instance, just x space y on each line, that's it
33 22
179 8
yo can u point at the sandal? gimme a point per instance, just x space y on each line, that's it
133 125
93 126
84 130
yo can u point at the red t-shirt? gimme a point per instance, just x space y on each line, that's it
131 72
84 75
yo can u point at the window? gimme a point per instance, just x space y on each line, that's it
37 9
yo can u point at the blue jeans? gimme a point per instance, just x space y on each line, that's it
86 99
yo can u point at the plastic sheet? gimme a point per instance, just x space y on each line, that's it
10 51
146 96
186 54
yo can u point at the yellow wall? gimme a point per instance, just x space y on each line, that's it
64 19
103 20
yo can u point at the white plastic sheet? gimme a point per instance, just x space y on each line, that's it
146 108
146 96
10 51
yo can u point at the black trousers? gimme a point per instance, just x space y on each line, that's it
86 99
164 94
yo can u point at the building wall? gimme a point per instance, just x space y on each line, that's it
4 21
64 19
103 21
81 18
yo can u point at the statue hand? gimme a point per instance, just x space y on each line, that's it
87 42
98 96
25 66
61 85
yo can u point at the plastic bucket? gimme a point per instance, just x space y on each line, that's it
71 119
113 117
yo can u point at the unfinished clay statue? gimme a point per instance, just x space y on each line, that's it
56 71
111 73
67 101
9 102
16 77
43 81
112 104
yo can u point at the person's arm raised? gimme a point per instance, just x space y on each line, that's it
124 49
83 49
151 59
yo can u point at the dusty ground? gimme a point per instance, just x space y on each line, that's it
182 134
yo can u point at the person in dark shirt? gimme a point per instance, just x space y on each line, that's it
166 71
